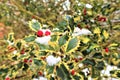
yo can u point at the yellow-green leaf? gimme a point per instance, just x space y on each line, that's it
105 34
113 45
77 18
85 39
97 30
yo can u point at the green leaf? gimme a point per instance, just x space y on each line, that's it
86 52
50 69
105 34
60 73
29 38
100 65
19 65
34 25
19 45
3 71
52 78
118 74
72 44
10 37
95 72
65 71
89 62
76 77
71 23
38 62
97 55
14 58
62 40
25 67
53 38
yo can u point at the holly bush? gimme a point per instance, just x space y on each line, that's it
81 46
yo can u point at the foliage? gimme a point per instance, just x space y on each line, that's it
78 57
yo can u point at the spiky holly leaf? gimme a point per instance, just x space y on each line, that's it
25 67
34 25
38 62
50 69
72 45
95 72
62 40
100 65
89 62
71 24
11 37
3 70
97 55
62 72
29 38
19 45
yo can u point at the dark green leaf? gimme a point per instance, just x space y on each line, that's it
3 71
65 71
100 65
54 38
60 73
72 44
19 65
62 40
51 78
112 72
25 67
89 62
38 62
76 77
118 74
50 69
71 23
95 72
97 55
29 38
19 45
14 58
86 52
71 66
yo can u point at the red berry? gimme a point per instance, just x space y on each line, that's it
76 60
81 58
43 58
78 25
106 50
22 51
40 73
73 72
7 78
33 17
103 19
25 60
30 60
40 33
84 11
47 33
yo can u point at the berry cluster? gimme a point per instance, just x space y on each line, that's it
41 33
